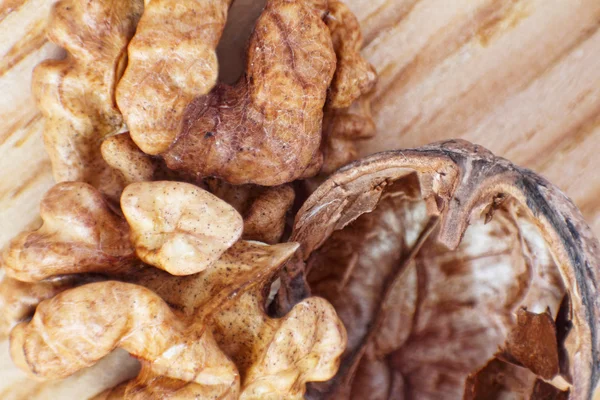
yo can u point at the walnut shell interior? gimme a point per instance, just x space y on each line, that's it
434 258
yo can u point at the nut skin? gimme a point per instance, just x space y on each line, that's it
274 357
264 208
342 130
80 234
76 94
348 109
122 154
57 342
179 227
18 300
266 129
172 60
279 102
461 183
354 76
265 219
225 346
202 334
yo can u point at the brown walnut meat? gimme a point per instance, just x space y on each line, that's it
133 165
18 300
57 342
172 60
348 109
265 218
174 226
179 227
354 76
275 357
342 128
428 255
202 335
76 94
80 234
272 357
264 209
266 129
122 154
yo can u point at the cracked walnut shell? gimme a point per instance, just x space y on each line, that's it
455 273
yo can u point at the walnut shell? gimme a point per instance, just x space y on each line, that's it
430 257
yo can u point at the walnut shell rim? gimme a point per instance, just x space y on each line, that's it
459 180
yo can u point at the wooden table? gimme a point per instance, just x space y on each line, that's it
521 77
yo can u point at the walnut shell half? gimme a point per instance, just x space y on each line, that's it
444 262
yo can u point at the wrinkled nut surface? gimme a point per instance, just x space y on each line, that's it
264 209
265 218
58 342
80 234
76 94
200 335
179 227
354 76
428 256
455 273
172 60
347 112
122 154
202 330
251 355
266 129
342 128
275 357
18 300
174 226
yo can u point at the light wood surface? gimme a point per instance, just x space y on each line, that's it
521 77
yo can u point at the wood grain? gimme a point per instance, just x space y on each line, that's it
520 77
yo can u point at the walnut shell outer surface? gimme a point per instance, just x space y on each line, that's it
461 183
